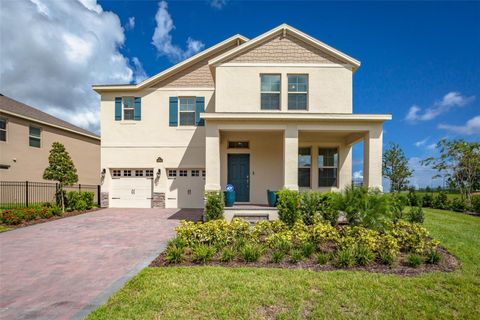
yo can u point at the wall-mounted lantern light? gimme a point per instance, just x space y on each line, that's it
159 173
103 172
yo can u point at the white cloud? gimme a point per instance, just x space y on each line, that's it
53 51
422 175
421 142
218 4
358 174
162 39
432 146
449 101
139 73
130 25
471 127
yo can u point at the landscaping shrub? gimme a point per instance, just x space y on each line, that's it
214 205
414 260
227 255
307 249
362 206
21 215
79 200
416 215
386 257
282 245
251 252
327 209
323 258
397 206
476 203
309 207
427 200
296 256
346 246
440 201
177 242
288 205
277 256
412 197
433 257
411 237
202 253
345 258
174 254
364 255
458 205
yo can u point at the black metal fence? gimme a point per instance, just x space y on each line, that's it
14 194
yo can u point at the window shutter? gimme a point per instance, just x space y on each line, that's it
118 108
137 111
173 110
199 108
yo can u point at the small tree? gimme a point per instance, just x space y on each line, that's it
395 167
61 169
459 162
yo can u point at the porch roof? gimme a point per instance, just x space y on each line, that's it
299 116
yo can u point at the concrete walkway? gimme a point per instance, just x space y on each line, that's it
65 268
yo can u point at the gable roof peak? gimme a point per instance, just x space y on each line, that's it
286 28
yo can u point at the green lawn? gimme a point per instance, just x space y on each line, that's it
249 293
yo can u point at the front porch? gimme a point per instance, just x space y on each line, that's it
299 154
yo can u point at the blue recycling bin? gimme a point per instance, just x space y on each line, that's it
272 198
229 195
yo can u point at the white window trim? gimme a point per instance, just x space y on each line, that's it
194 112
328 167
271 92
35 137
129 108
6 129
299 92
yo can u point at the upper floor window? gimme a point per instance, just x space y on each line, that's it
297 91
187 111
34 137
117 173
172 173
195 173
149 173
238 144
3 129
327 167
304 165
270 91
128 108
138 173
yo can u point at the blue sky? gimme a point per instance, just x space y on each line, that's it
420 60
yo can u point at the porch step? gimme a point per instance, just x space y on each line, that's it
251 215
252 219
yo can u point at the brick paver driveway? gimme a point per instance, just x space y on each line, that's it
65 268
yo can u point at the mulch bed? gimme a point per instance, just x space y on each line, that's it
37 221
448 264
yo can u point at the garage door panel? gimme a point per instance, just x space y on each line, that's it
185 192
131 193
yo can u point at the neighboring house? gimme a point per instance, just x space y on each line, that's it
26 137
263 114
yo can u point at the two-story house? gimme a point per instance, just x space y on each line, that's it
262 114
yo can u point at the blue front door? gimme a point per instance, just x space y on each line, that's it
239 175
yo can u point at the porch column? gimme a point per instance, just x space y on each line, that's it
212 157
290 157
372 157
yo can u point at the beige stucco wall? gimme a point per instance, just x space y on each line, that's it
266 162
138 144
238 87
28 163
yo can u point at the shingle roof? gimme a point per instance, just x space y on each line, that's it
22 110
